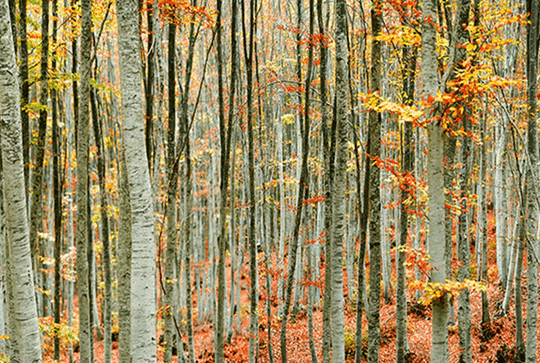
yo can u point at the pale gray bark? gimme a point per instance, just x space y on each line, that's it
464 252
499 198
436 242
339 182
24 313
512 262
328 157
530 203
520 343
3 278
106 249
82 235
143 340
481 221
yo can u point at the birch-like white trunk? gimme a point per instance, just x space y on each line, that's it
500 210
338 205
436 240
24 313
143 337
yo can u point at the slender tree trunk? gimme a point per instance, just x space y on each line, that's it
25 91
172 186
185 120
70 178
82 234
57 187
106 248
512 261
436 245
520 343
124 266
338 195
407 161
328 153
37 182
482 226
531 184
375 192
24 310
93 317
499 199
143 340
4 305
254 295
149 87
363 223
463 250
303 189
225 133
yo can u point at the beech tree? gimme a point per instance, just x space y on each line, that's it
531 182
430 81
143 336
82 237
281 177
374 195
338 203
23 312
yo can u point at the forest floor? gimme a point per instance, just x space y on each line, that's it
497 347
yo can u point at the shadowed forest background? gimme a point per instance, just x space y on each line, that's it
269 180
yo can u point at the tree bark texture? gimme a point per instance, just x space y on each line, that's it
82 235
339 182
437 240
143 339
375 192
124 266
531 206
172 185
23 316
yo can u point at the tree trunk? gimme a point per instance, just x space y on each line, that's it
520 344
482 227
463 250
124 266
338 194
106 248
185 122
530 203
82 234
254 295
149 87
407 155
57 187
170 210
225 141
143 340
37 182
328 153
303 188
436 245
24 311
25 91
374 192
